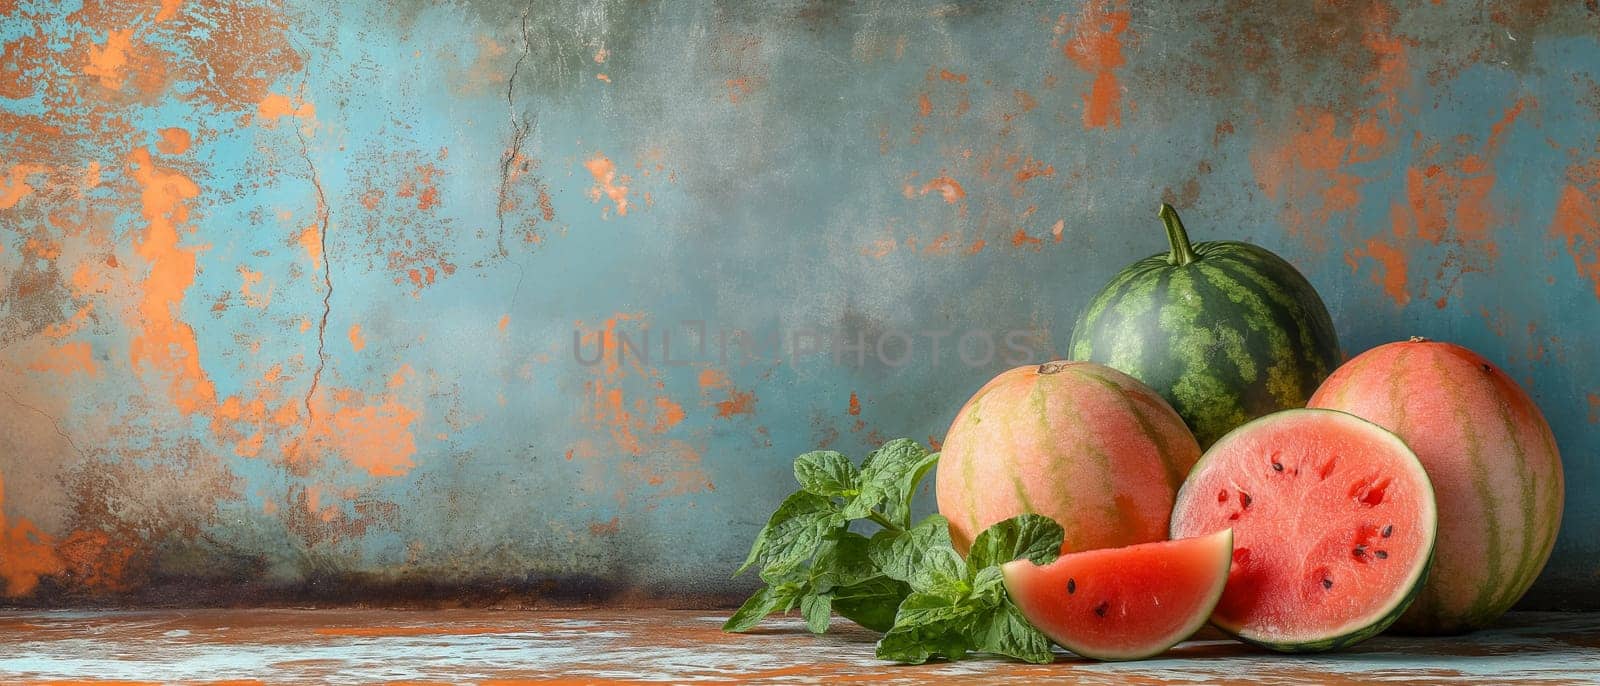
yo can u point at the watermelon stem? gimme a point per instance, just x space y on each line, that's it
1182 251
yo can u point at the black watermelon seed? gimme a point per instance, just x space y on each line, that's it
1359 551
1382 554
1388 530
1244 499
1327 583
1072 585
1277 466
1100 610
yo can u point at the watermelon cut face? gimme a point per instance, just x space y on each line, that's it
1123 603
1333 522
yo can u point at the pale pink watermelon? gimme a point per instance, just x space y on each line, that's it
1494 466
1083 444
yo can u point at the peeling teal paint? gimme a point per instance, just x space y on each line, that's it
789 167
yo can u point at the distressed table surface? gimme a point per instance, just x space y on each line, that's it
338 646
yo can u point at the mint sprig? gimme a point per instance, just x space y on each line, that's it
957 606
905 580
807 553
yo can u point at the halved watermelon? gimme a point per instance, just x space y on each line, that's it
1123 603
1333 523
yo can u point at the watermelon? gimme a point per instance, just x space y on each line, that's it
1085 445
1333 524
1225 331
1494 466
1123 603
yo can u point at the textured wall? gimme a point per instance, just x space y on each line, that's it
291 291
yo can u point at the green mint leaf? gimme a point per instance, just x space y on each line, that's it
766 601
988 587
1004 631
817 608
799 505
886 474
916 645
927 625
897 502
927 609
941 573
796 531
1032 536
898 554
872 603
904 644
826 473
843 561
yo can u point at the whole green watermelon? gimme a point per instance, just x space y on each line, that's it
1226 331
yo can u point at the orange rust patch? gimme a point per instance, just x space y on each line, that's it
174 141
736 402
29 553
357 343
169 9
251 289
372 433
1391 273
16 186
608 183
277 106
628 403
107 62
1577 220
1093 43
311 241
946 187
606 528
855 404
505 321
72 357
1021 239
166 345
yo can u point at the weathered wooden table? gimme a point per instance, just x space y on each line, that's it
336 646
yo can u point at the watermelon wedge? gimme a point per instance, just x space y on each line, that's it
1333 522
1123 603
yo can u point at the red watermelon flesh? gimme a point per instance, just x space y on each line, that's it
1123 603
1333 523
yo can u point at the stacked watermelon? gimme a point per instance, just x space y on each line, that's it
1299 529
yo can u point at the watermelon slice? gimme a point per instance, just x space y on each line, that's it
1123 603
1333 522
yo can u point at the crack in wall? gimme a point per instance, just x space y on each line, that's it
521 126
327 274
54 422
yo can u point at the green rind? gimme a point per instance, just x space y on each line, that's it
1394 611
1234 335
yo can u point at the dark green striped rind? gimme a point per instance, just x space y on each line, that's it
1236 334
